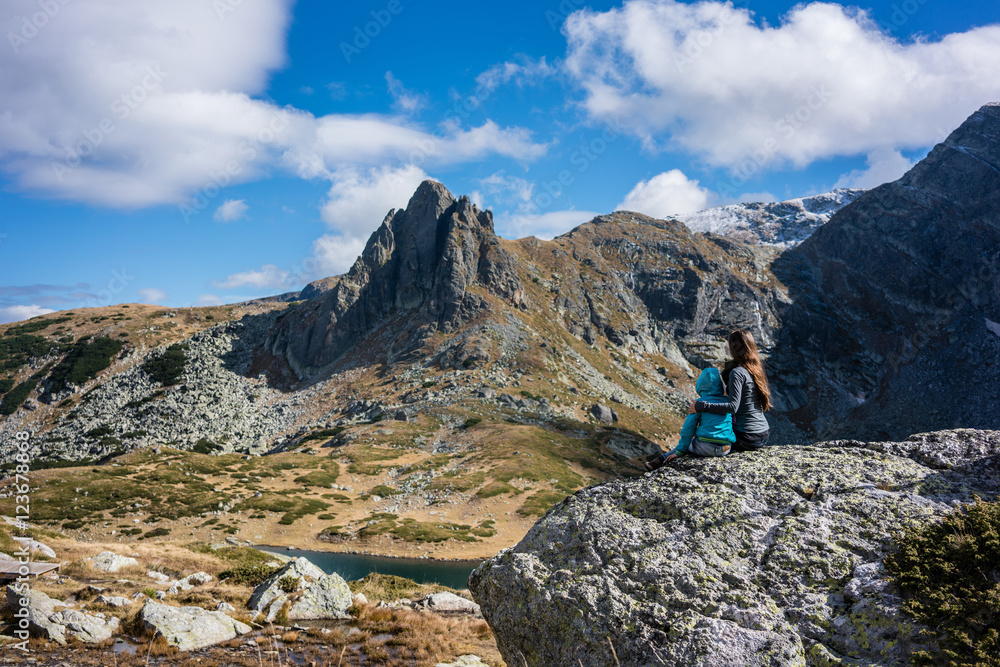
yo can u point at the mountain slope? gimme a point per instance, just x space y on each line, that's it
893 299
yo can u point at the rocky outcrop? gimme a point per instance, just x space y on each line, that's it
109 561
422 264
54 620
190 628
301 591
768 558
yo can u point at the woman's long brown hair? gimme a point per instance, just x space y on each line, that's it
744 351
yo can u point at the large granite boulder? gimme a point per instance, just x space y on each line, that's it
190 628
53 620
109 561
766 558
304 591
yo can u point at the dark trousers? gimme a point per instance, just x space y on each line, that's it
750 442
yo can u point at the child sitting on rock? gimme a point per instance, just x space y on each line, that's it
703 434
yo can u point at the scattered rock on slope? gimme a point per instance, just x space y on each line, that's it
109 561
767 558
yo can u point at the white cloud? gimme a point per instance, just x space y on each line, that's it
525 72
231 210
508 190
334 254
827 81
405 99
666 194
126 105
542 225
268 276
152 295
18 313
358 200
884 166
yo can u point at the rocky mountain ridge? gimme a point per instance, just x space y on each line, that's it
480 349
782 224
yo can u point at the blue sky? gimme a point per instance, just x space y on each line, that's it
196 153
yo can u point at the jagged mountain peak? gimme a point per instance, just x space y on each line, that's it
422 263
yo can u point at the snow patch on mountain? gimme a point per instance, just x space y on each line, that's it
782 224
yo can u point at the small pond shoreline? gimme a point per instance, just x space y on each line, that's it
353 566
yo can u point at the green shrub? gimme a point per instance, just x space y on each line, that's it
248 574
325 434
205 446
6 385
471 421
319 478
167 368
84 361
33 325
16 397
289 584
950 574
156 532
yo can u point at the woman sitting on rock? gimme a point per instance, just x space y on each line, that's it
703 435
748 392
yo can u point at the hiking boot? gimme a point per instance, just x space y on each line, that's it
654 464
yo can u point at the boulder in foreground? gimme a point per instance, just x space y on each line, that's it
190 628
766 558
53 620
304 592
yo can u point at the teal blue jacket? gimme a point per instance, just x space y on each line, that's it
706 426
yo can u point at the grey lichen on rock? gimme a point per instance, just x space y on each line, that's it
726 562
